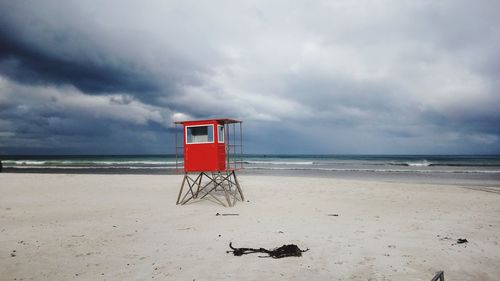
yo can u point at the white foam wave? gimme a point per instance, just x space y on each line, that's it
24 162
380 170
83 162
419 164
95 167
131 162
280 162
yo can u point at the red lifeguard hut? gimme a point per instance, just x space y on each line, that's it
213 151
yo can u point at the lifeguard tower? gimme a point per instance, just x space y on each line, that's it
213 152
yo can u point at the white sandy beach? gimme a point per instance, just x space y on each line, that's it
127 227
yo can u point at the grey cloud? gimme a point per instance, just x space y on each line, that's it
322 77
28 64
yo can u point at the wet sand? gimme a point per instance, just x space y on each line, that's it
127 227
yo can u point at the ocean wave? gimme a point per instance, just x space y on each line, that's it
284 167
463 165
24 162
79 162
415 164
412 164
280 162
92 167
380 170
428 164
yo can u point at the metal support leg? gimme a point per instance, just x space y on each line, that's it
238 186
198 184
199 189
182 187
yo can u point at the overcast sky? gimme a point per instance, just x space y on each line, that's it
370 77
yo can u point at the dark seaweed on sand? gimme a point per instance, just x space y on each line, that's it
290 250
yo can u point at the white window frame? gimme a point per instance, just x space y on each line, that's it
201 125
223 136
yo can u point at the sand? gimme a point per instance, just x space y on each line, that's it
127 227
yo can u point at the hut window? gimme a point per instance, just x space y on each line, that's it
200 134
220 133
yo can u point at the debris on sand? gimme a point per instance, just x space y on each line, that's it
461 241
290 250
333 215
218 214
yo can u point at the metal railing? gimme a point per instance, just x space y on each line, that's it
234 146
177 147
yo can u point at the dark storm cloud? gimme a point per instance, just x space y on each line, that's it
28 64
58 44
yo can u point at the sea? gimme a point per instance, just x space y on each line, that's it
455 169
